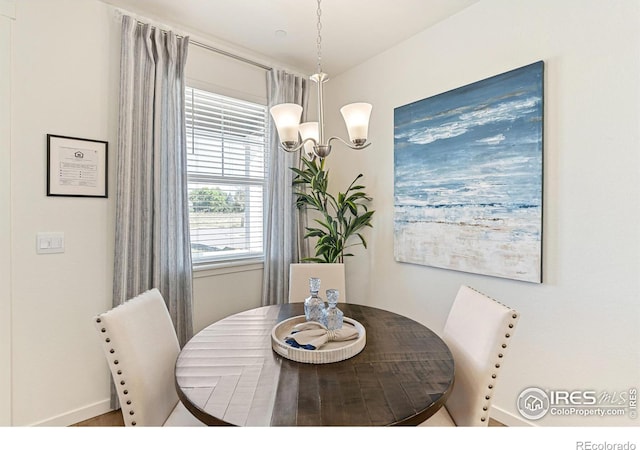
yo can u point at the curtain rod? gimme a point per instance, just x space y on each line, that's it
217 50
229 54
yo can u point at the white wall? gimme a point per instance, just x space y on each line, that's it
65 80
579 329
224 291
7 12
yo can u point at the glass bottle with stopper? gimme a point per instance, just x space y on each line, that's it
333 317
314 305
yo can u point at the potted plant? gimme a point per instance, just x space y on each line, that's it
341 218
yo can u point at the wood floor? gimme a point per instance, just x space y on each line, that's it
110 419
114 419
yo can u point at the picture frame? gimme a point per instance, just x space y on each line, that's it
76 167
468 177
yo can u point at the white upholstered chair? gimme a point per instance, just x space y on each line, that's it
477 331
141 347
331 277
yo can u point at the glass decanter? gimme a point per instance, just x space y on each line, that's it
314 305
332 315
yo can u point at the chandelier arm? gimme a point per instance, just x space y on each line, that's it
351 146
299 146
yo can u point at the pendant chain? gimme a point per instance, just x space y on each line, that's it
319 39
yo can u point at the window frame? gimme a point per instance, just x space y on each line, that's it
248 256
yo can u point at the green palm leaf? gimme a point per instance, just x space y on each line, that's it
342 216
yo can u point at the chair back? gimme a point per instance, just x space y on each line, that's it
331 277
141 347
478 330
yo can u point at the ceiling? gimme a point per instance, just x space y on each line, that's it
285 31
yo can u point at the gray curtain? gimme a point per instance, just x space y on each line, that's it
283 224
152 246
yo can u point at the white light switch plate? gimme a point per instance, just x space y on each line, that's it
50 242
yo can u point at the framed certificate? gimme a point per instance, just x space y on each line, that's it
76 167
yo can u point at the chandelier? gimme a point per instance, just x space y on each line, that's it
287 118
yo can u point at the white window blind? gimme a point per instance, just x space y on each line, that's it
226 165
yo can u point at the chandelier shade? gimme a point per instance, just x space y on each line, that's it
287 120
356 117
309 134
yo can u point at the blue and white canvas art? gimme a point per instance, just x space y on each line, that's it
468 177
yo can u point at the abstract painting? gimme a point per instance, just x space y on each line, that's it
468 177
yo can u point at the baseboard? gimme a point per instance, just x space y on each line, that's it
509 419
75 416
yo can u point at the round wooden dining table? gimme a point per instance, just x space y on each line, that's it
228 374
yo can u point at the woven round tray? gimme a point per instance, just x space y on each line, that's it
328 353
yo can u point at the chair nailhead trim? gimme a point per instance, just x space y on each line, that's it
507 335
119 372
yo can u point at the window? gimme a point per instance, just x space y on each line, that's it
226 167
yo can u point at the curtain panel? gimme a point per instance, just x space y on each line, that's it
284 226
152 245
